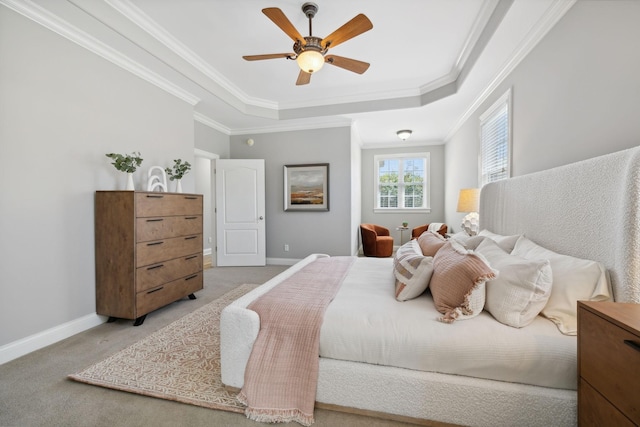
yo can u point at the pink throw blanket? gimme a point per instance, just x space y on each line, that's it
282 372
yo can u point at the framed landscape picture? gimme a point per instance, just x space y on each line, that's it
306 187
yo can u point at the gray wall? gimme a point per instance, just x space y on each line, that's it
575 96
61 109
304 232
392 220
211 140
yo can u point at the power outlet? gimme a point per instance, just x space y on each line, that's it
286 247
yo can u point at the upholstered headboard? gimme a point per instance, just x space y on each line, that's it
589 209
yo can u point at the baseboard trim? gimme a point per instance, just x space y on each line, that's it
19 348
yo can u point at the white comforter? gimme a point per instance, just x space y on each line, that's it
365 323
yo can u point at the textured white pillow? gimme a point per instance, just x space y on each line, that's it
412 271
574 279
521 289
505 242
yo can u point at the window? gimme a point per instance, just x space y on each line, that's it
402 182
495 139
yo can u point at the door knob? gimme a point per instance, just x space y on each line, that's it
261 218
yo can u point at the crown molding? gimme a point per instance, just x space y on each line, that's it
208 121
470 43
59 26
537 33
310 124
130 11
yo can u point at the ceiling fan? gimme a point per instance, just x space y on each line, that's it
311 52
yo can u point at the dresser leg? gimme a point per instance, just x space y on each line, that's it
111 319
139 320
192 296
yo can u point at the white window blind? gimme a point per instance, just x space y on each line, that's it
495 142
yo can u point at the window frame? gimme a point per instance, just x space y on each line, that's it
426 189
501 102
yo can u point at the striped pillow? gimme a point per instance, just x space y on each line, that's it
458 282
412 271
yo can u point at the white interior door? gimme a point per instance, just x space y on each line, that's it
240 222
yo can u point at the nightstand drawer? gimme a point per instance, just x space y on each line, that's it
163 204
161 250
156 228
156 274
597 411
610 362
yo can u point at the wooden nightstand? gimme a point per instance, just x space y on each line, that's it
608 364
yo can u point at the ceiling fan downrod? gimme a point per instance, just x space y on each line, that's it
310 9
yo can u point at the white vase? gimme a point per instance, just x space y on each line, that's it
178 186
130 186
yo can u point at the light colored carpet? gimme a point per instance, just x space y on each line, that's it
179 362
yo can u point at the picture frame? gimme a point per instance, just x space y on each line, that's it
306 187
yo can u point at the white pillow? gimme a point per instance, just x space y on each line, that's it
521 289
574 279
412 271
505 242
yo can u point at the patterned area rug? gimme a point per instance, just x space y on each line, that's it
180 362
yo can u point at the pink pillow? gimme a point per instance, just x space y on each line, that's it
430 242
458 282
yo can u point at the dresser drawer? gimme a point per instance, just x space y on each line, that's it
165 227
153 299
164 204
610 362
154 275
162 250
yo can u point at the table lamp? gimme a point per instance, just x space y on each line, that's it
469 201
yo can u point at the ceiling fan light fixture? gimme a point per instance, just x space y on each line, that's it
404 134
310 61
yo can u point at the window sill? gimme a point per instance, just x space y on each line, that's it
403 211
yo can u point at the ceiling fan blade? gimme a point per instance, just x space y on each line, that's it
347 63
351 29
303 78
268 56
279 18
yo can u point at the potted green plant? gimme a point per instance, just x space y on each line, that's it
127 163
178 171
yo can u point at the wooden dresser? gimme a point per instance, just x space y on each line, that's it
148 251
608 364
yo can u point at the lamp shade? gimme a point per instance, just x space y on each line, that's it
310 61
469 200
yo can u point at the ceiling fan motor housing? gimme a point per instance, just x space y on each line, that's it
310 9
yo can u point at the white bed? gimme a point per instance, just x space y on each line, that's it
589 210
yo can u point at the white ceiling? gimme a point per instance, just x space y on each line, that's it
432 61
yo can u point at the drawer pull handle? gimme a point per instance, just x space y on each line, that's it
632 344
155 290
153 196
191 217
191 257
154 243
190 237
191 277
190 197
155 220
153 267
